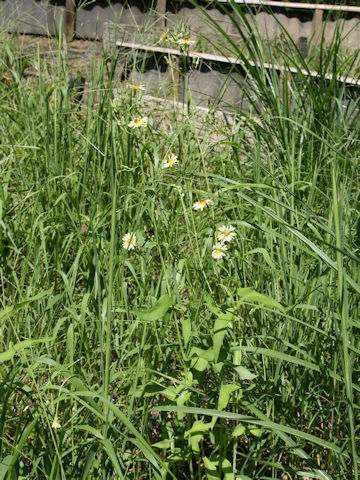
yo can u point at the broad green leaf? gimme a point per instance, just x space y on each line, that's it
4 466
186 330
9 354
157 311
198 427
227 469
244 373
239 430
201 353
164 444
220 329
224 395
250 430
211 468
196 433
184 396
200 364
251 296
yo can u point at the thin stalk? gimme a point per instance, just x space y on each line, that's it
344 315
109 305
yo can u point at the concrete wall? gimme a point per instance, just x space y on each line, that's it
40 17
30 16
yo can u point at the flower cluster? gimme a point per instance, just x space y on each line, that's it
182 39
225 235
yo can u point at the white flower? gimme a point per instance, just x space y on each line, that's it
226 233
185 41
164 36
169 161
55 423
203 203
219 251
136 86
138 122
129 241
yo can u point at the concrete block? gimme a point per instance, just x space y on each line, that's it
155 82
90 23
206 88
28 16
134 16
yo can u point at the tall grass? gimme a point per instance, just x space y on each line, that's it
162 362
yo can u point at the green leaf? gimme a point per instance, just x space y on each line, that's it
211 469
196 433
266 256
227 469
163 445
186 329
9 354
224 395
157 311
198 427
239 430
250 430
18 449
244 374
220 329
7 311
282 431
113 456
4 466
251 296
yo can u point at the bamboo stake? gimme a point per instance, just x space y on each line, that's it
160 12
69 20
317 25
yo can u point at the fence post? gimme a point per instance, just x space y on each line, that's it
160 13
317 25
69 20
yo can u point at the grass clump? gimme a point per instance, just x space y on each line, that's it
175 306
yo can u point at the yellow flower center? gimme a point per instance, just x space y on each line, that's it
218 251
132 241
137 121
186 39
202 202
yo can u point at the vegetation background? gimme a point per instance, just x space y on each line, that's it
161 361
